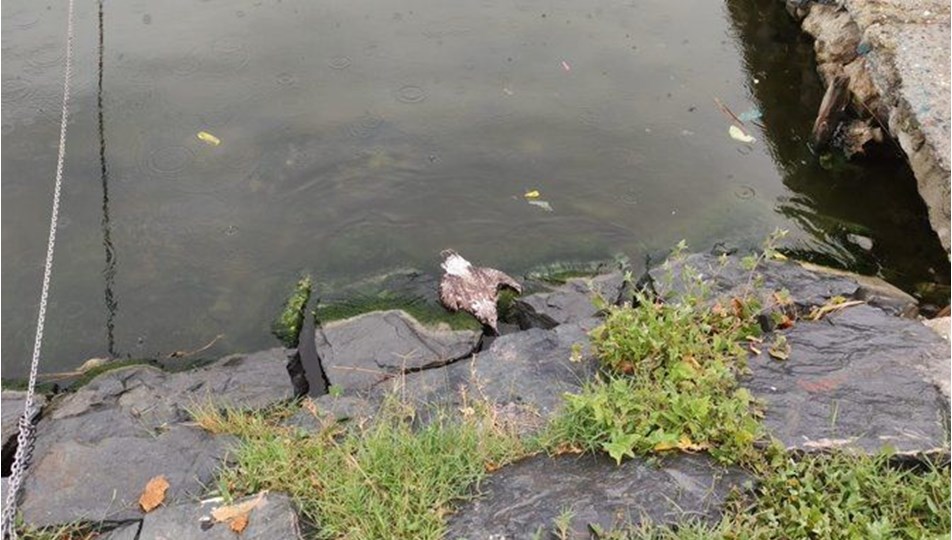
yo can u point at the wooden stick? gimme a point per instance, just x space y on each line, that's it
729 113
835 101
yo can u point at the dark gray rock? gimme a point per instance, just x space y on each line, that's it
99 446
250 381
526 498
317 413
273 519
572 302
858 378
79 478
11 407
360 352
150 397
524 374
809 285
126 531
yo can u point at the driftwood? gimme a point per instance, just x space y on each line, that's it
471 289
835 101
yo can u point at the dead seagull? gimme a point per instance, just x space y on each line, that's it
474 290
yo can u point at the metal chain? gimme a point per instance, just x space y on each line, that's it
25 437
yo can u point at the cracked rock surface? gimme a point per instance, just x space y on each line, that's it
528 497
99 446
359 352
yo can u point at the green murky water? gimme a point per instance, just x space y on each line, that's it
356 137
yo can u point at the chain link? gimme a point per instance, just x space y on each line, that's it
27 432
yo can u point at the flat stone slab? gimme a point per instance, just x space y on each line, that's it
857 378
99 446
572 302
101 480
809 285
526 498
11 407
274 518
364 350
524 374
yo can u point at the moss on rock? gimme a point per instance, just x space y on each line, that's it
287 326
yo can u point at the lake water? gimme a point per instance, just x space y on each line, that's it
357 137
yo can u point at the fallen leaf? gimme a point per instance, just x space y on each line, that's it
738 134
568 448
239 523
665 445
779 353
785 323
229 512
492 466
534 194
153 494
738 307
207 137
687 445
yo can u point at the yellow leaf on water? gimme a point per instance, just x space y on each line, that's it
153 494
534 194
205 136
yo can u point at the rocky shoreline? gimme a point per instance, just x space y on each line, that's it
862 378
896 56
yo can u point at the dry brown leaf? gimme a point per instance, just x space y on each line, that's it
835 304
687 445
239 523
153 494
785 323
229 512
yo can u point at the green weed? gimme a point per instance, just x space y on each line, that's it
287 326
424 312
668 379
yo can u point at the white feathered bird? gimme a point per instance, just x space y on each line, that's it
472 289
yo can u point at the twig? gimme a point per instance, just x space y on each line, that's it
823 311
729 113
185 354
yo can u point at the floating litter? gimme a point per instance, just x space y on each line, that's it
207 137
738 134
534 194
542 204
750 115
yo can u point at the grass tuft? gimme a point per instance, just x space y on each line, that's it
833 496
380 478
